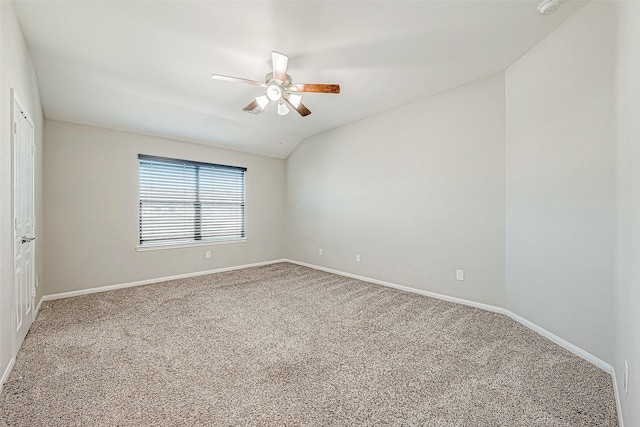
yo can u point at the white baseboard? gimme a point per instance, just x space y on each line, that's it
150 281
538 329
561 342
486 307
500 310
12 362
7 372
617 394
37 310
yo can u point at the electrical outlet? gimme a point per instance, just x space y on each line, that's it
207 254
626 377
459 274
320 251
358 258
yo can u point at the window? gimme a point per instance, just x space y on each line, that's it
183 202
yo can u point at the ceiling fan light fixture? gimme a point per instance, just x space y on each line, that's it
274 92
283 110
279 87
262 101
548 6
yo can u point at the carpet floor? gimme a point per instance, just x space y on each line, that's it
288 345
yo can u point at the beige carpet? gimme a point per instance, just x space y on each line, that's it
288 345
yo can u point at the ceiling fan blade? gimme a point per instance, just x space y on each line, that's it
251 107
237 79
257 105
280 62
294 99
316 88
300 108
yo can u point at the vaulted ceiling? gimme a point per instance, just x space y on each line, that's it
146 66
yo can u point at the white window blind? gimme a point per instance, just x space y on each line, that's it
185 202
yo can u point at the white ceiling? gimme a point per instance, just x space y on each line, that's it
145 66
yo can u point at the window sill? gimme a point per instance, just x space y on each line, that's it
187 245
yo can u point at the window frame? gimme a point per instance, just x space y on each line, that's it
167 244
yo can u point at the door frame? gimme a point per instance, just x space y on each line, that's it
31 317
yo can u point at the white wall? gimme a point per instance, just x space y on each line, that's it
418 192
560 208
17 72
91 197
627 295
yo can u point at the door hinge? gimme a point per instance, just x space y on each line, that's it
15 223
15 127
33 292
33 150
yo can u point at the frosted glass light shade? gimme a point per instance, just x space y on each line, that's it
274 92
283 110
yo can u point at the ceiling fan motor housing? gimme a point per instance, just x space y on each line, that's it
276 89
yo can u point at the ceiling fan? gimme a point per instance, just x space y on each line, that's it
280 88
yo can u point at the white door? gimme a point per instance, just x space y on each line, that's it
23 220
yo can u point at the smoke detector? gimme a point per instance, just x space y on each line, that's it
548 6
